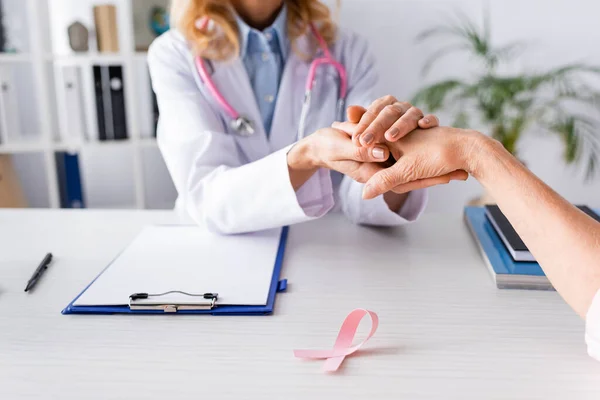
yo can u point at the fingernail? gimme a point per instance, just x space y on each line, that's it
394 132
378 153
335 124
368 138
427 120
367 191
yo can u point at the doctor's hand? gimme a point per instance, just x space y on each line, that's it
333 149
427 157
385 120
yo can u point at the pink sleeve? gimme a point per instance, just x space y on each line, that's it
315 197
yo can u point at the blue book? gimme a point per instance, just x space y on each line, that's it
507 273
69 180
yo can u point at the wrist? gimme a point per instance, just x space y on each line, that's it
300 156
482 150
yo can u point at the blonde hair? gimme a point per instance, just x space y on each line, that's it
220 39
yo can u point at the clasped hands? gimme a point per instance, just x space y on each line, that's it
425 154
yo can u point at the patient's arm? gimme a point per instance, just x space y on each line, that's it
563 239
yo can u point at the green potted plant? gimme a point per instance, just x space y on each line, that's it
557 101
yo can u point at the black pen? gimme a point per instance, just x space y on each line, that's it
39 272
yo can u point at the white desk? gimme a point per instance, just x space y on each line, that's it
446 332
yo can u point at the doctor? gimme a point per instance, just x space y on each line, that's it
235 125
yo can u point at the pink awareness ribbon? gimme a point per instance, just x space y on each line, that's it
343 344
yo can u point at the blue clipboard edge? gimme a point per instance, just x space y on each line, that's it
276 286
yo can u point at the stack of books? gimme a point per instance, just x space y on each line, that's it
508 259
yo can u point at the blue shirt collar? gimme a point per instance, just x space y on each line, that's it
279 28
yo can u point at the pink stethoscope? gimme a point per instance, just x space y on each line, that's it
243 125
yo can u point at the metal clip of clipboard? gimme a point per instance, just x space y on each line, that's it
143 301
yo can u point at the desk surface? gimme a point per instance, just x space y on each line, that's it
446 332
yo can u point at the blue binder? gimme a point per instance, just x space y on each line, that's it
276 286
69 179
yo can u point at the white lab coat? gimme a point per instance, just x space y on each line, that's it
234 184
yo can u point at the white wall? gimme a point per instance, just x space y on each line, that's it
557 31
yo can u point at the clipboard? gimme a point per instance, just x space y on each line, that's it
199 303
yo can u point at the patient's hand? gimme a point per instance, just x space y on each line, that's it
425 157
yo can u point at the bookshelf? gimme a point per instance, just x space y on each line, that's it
128 173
